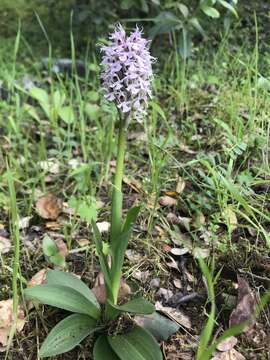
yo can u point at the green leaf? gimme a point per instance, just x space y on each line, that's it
92 110
57 277
63 297
210 11
196 24
136 306
67 334
131 218
229 7
102 258
159 326
58 100
49 246
58 260
138 342
86 208
66 114
42 97
103 350
164 23
184 9
39 94
209 326
185 43
119 247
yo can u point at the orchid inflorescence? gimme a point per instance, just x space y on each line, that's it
127 71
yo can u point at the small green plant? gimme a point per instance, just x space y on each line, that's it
52 252
127 82
187 19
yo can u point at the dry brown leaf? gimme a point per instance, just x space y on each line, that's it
83 242
186 149
133 255
53 225
5 245
173 264
133 184
173 219
7 318
229 355
167 201
141 275
180 186
100 291
177 283
62 247
39 278
201 253
246 306
227 344
49 207
179 251
174 314
166 248
24 222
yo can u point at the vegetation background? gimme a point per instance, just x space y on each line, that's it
199 163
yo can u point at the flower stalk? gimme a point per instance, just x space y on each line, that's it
117 197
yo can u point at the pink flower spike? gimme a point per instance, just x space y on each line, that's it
127 71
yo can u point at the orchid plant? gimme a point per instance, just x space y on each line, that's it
126 77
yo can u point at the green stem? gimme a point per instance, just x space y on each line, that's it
116 210
117 197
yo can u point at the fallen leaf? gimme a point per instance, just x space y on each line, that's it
172 218
229 355
173 264
186 149
167 201
62 247
179 252
177 283
174 314
24 222
5 245
49 207
166 248
201 253
53 225
133 255
133 184
164 294
141 275
7 318
155 283
227 344
83 242
99 290
181 184
39 278
246 306
103 226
